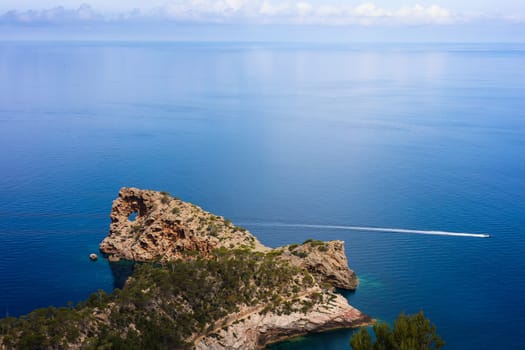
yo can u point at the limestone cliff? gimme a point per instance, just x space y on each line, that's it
149 225
153 226
325 260
253 330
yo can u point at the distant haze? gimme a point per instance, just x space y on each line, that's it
264 20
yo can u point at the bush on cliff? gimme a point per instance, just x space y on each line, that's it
411 332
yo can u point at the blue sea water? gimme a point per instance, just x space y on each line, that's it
428 137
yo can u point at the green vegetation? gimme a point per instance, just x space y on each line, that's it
175 211
301 255
411 332
291 247
136 228
164 306
213 230
165 199
314 242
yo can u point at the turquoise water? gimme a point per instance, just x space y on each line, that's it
404 136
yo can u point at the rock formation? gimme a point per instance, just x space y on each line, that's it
325 260
213 286
152 226
149 225
252 330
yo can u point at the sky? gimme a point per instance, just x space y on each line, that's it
265 20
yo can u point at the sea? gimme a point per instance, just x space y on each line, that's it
278 136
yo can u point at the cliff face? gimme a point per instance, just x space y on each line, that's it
326 261
149 225
253 330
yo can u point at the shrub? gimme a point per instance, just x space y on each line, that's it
292 246
314 242
301 255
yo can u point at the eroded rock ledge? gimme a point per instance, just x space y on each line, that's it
255 331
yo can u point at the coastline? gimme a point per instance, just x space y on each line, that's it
273 329
202 283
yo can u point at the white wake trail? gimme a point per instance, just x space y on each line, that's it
375 229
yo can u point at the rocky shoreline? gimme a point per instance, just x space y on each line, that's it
256 331
169 227
204 283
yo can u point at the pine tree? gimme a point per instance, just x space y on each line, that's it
411 332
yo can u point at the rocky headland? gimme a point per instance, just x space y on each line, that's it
202 283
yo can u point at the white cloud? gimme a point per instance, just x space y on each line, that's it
369 10
252 11
420 14
304 9
268 11
83 13
276 9
518 19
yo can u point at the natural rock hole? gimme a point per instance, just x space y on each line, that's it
132 216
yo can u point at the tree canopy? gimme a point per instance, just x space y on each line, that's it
411 332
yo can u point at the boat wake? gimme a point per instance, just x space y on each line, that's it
375 229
